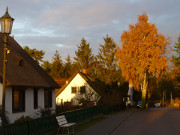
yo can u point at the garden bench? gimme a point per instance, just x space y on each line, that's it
64 124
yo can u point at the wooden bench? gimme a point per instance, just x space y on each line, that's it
65 125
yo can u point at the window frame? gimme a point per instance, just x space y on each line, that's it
21 100
73 90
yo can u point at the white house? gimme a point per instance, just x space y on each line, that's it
80 86
28 87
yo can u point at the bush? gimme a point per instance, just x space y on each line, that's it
23 118
65 108
45 112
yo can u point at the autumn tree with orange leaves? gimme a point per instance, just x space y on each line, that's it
141 55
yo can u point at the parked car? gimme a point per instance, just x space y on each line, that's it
139 104
157 105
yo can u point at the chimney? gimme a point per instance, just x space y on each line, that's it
84 71
66 81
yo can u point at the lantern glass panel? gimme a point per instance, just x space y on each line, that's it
6 25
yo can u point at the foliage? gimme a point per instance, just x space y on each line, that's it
87 97
23 118
37 55
107 66
166 85
66 108
68 68
141 55
45 112
56 66
84 57
176 58
46 66
176 61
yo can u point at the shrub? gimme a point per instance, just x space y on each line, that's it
45 112
23 118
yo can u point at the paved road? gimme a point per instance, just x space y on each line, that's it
135 122
106 126
150 122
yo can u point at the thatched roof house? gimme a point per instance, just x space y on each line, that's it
28 87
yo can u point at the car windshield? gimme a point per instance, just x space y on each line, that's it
139 103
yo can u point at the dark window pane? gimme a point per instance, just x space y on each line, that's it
48 98
35 98
73 90
82 89
18 100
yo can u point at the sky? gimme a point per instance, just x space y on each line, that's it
52 25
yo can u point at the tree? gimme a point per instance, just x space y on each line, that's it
56 66
37 55
84 57
87 96
176 61
166 87
176 58
46 66
141 54
106 61
68 67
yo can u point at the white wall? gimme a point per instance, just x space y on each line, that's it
29 103
1 93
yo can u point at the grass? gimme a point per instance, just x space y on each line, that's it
84 125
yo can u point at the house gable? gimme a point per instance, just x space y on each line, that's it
66 91
76 82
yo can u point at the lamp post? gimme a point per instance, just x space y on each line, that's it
6 27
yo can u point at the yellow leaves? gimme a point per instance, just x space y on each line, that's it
141 51
143 18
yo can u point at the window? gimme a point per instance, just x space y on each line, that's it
61 101
48 98
18 100
35 99
82 90
73 90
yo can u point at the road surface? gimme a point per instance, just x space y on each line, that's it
150 122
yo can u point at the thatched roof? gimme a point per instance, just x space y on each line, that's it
61 81
96 84
22 69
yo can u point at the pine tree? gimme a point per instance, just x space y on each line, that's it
37 55
107 65
84 57
57 66
176 58
68 68
176 61
46 66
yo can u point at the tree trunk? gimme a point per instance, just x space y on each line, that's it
163 99
144 91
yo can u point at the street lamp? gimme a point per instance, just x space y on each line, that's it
6 27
